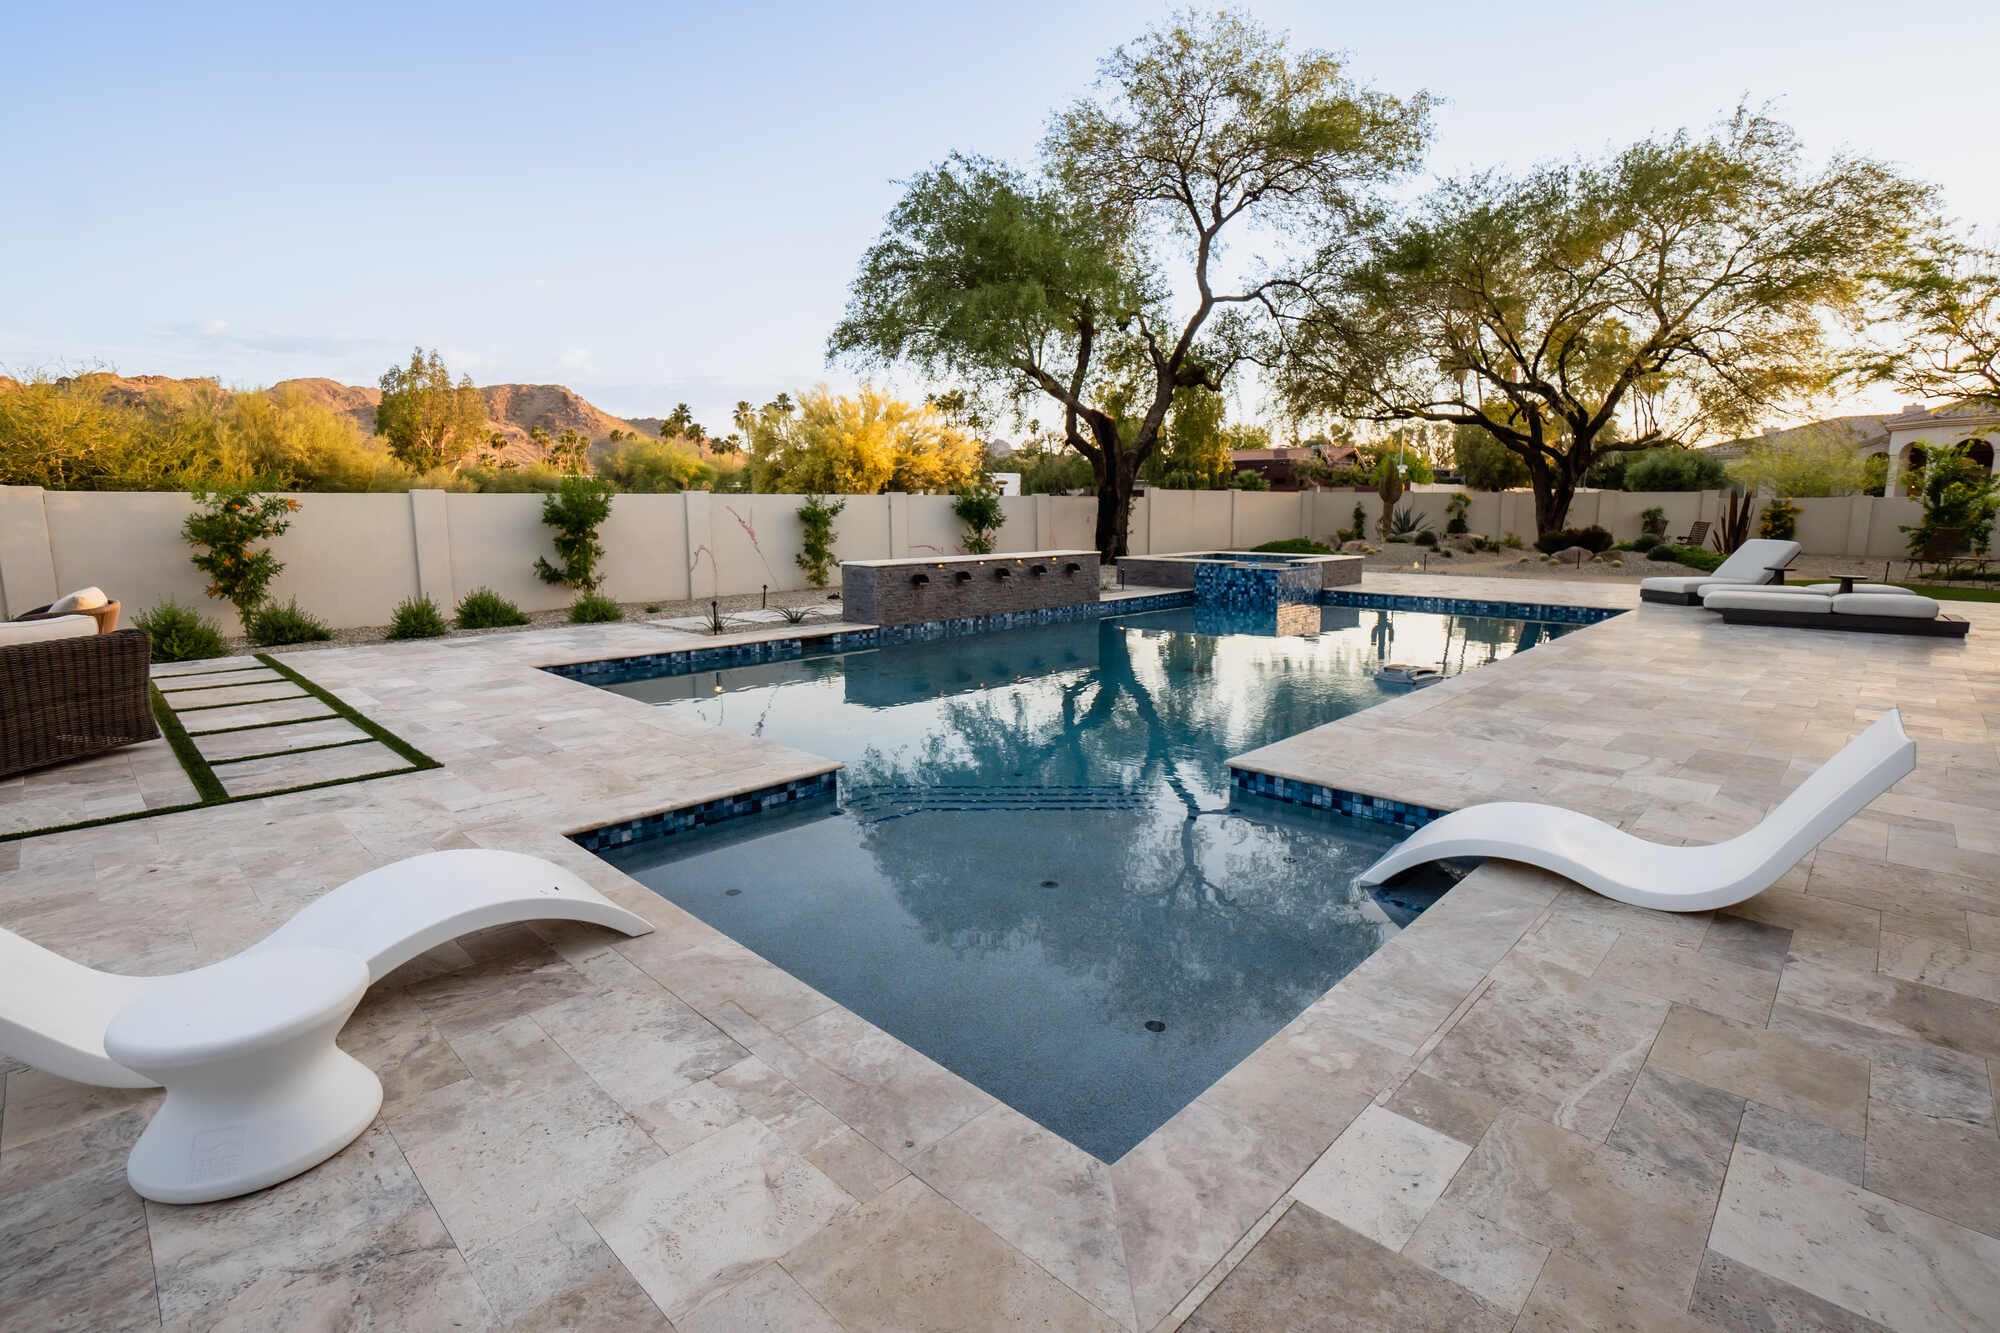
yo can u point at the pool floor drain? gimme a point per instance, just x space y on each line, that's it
731 893
1155 1025
1048 884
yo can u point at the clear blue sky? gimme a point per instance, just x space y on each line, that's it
664 203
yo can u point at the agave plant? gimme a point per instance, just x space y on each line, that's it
1407 522
796 615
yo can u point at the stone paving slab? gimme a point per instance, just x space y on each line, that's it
280 771
298 706
226 745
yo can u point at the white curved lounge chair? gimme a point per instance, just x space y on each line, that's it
1673 879
256 1089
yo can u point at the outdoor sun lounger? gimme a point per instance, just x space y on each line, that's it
1612 862
1870 608
1759 560
256 1089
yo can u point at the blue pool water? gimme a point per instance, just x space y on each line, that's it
1034 872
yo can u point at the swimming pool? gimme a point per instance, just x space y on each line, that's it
1035 872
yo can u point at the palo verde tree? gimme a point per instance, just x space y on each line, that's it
1684 284
1943 305
429 421
1205 131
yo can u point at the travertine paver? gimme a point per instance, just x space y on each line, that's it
738 1151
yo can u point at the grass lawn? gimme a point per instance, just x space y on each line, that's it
1953 592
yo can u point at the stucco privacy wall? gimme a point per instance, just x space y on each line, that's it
351 558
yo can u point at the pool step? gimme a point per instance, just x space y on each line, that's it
875 803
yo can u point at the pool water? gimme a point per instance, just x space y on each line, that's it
1035 872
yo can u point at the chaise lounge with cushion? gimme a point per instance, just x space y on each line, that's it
1874 608
1760 560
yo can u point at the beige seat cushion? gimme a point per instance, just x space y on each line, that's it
1908 604
40 631
1766 599
83 599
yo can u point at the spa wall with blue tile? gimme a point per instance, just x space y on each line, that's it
1335 800
649 666
667 823
1466 606
1259 587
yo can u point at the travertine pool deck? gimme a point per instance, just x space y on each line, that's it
1534 1109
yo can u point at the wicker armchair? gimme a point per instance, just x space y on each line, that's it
62 699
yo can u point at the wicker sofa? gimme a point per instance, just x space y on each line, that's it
64 696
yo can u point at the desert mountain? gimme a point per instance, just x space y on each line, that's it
511 409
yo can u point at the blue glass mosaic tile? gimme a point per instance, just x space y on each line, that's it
667 823
648 666
1357 804
1467 606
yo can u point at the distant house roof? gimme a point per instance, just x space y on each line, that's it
1296 453
1861 431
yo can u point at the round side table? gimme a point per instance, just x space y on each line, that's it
256 1090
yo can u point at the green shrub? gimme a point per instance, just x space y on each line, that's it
483 608
1660 552
1459 504
1674 469
979 509
1653 521
417 618
1426 538
1295 546
575 512
1247 480
815 555
181 633
225 527
594 608
1511 542
1593 539
1645 541
273 626
1694 557
1780 520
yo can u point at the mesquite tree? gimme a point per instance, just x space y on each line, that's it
1206 130
1683 284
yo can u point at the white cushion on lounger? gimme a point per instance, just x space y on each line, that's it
83 599
1886 604
40 631
1819 591
1832 588
1765 599
1750 563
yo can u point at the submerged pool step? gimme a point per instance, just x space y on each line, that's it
876 802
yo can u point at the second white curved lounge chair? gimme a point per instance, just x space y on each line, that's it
257 1090
1673 879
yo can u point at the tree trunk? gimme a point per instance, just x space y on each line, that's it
1554 489
1114 507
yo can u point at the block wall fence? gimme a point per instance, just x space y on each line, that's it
350 558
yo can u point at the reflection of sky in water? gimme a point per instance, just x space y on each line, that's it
1035 852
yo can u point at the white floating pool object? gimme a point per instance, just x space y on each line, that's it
247 1043
1612 862
1397 673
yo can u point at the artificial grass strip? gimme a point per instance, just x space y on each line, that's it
206 784
416 758
202 775
303 749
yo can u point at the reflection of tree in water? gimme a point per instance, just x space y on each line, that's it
1177 908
